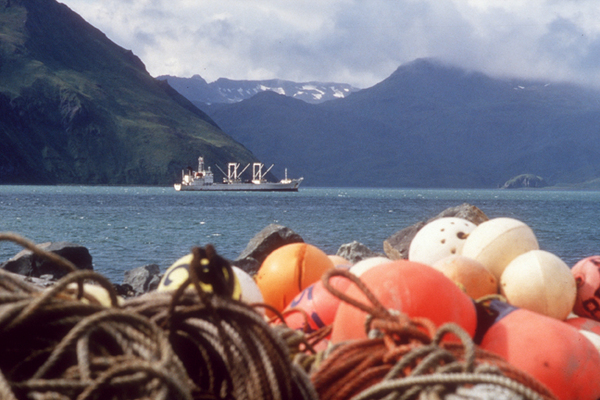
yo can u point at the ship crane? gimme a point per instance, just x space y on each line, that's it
257 174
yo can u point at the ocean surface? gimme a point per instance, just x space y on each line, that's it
128 227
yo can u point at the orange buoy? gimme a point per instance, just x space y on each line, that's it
539 281
289 270
415 289
554 353
318 303
587 278
471 276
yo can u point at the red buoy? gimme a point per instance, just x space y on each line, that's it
551 351
318 303
289 270
415 289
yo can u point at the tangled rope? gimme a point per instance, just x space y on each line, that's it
182 345
407 358
226 347
58 347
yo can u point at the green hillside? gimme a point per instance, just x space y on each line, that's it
77 108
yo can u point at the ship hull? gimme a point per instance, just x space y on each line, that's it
241 187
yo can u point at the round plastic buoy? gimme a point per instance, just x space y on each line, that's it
99 293
250 293
539 281
495 243
415 289
289 270
318 303
588 327
471 276
439 239
366 264
178 273
339 261
587 278
554 353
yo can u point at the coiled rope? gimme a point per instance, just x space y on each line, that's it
407 358
182 345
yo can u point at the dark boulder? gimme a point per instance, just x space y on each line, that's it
29 264
125 290
266 241
396 246
142 279
355 252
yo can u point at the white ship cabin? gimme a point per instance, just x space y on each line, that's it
199 177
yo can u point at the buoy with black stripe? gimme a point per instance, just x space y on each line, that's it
214 273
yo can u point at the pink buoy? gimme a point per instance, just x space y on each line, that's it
587 279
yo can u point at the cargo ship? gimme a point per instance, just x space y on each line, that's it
203 179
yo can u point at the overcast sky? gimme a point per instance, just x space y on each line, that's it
360 42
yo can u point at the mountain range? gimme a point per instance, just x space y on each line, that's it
427 125
224 90
77 108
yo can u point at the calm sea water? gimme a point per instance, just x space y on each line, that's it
127 227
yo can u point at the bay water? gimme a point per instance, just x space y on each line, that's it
127 227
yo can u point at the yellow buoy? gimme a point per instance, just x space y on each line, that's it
540 281
97 292
495 243
213 269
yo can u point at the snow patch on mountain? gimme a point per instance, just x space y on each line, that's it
229 91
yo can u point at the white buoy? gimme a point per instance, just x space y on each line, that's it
250 291
439 239
592 337
495 243
540 281
364 265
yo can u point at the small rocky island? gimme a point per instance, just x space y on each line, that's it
525 181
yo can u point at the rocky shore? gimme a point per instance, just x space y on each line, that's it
41 272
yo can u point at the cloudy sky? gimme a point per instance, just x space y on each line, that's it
360 42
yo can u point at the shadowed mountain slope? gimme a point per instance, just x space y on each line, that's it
77 108
427 125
